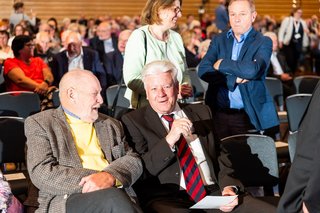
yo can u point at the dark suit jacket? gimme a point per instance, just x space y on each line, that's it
303 180
252 64
147 135
114 64
59 65
97 44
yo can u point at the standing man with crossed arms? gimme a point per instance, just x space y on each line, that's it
235 67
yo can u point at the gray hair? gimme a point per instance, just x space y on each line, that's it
157 67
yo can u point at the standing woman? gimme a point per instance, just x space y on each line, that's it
293 36
155 41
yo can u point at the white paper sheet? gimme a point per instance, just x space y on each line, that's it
213 202
15 176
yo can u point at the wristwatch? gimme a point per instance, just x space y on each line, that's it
47 81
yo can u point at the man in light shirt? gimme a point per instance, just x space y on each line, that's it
279 68
77 57
164 186
78 158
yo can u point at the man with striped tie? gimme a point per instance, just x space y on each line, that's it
179 155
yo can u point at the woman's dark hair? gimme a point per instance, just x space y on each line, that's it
18 44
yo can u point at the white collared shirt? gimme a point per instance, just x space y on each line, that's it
108 46
196 149
75 62
277 69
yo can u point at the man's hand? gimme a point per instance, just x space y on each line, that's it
97 181
229 191
304 208
180 126
241 80
217 64
285 77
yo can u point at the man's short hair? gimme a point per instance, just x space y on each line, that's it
18 5
157 67
18 44
251 3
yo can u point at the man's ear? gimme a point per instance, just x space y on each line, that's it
71 94
254 15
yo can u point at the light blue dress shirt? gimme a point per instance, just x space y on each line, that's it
235 98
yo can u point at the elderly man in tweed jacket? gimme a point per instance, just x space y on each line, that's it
77 157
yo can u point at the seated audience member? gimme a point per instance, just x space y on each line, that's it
191 45
17 30
25 72
54 43
279 68
105 41
161 132
77 57
64 36
8 202
42 48
302 191
114 59
5 49
78 158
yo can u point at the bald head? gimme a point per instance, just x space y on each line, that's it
104 30
79 92
123 38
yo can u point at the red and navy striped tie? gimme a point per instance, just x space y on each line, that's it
191 173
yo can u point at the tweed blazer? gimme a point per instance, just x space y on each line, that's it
55 167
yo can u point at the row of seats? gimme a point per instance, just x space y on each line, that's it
258 147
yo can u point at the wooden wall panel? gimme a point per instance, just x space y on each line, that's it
95 8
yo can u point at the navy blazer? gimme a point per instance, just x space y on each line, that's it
59 65
252 64
114 65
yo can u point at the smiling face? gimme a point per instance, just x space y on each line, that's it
170 15
241 17
161 92
87 99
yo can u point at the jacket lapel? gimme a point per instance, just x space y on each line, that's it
65 130
154 121
247 43
87 60
103 138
